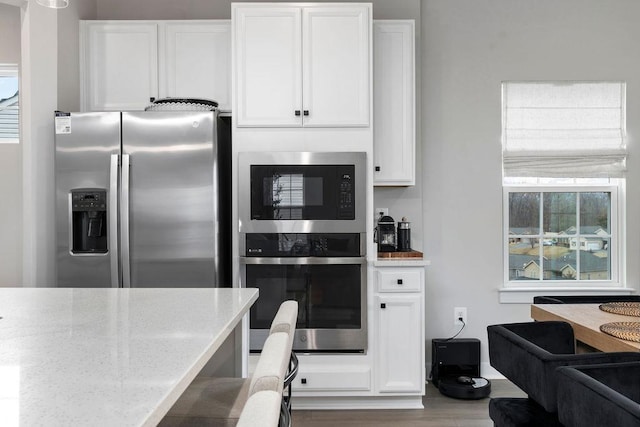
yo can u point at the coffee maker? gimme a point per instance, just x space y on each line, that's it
386 234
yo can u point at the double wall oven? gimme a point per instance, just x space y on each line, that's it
303 237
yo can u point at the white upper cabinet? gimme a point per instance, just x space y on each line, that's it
302 66
120 66
268 60
124 64
336 66
195 61
394 102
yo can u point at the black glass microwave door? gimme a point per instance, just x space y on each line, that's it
294 193
328 296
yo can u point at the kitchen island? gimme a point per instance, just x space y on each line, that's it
107 357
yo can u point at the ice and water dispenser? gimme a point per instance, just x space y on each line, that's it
88 221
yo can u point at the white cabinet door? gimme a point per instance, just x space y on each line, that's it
268 66
302 66
394 102
121 65
195 60
399 341
336 66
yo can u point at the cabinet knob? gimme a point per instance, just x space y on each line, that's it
305 112
399 281
377 168
297 112
383 305
303 380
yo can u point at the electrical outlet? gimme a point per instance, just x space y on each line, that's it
381 212
459 312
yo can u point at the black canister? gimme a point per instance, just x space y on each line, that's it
404 235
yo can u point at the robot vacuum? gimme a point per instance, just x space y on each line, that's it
465 387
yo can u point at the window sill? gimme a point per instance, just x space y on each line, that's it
525 295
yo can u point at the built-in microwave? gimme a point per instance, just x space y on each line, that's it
292 192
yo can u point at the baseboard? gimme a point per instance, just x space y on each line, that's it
487 371
356 402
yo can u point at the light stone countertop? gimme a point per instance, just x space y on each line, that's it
107 357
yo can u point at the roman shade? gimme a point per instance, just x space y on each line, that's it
563 129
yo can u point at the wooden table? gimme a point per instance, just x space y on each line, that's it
107 357
586 320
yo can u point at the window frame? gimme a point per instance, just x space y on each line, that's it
12 70
616 232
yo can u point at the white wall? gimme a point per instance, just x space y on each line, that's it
10 165
221 9
469 47
69 51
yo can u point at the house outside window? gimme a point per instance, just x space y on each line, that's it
564 160
9 106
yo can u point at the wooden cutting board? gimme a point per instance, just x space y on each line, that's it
396 255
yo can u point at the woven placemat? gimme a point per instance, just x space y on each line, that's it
626 308
628 331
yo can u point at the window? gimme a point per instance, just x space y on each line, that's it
9 119
564 159
562 234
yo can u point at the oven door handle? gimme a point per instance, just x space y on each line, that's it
302 260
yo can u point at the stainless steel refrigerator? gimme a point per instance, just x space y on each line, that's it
142 199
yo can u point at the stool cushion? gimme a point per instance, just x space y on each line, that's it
272 364
286 318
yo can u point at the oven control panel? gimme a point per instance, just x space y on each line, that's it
303 245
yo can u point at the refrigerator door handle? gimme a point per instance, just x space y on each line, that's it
124 223
113 220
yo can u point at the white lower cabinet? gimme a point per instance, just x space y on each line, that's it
398 332
332 378
399 362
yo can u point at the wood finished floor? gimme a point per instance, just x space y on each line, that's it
439 411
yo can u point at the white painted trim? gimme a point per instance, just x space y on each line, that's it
356 402
487 371
38 99
616 235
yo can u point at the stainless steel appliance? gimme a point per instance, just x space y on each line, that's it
303 237
142 199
